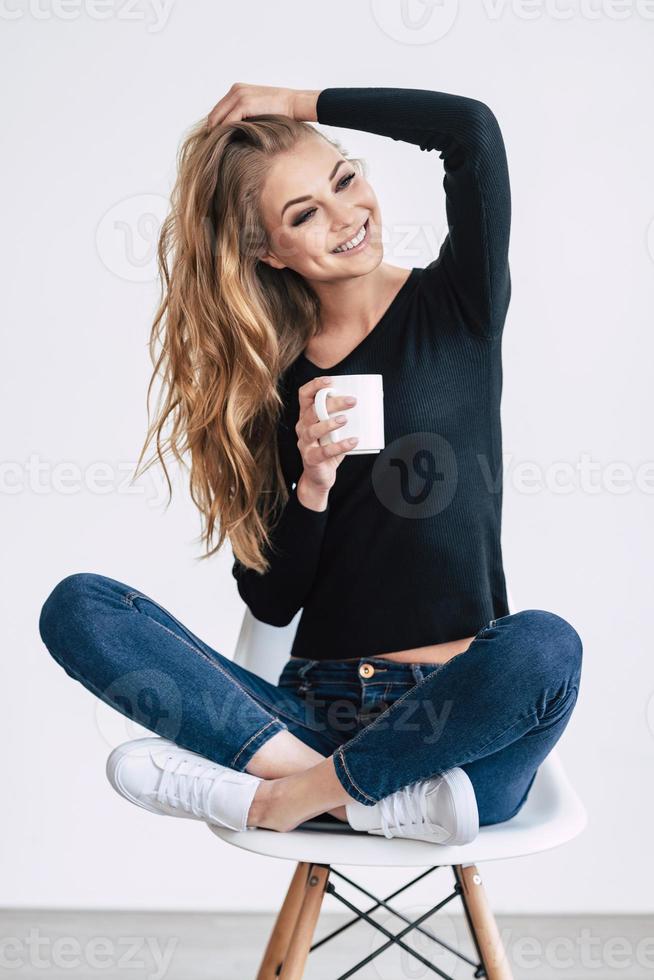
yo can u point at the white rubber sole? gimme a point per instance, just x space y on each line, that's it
466 808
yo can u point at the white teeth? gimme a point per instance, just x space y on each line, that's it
353 241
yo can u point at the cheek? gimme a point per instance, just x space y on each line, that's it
314 239
294 245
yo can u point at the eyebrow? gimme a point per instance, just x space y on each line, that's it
307 197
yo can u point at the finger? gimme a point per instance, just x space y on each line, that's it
245 107
318 429
221 109
305 442
307 439
307 393
240 111
317 454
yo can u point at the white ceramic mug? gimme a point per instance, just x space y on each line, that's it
364 420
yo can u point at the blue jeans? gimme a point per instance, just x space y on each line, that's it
496 710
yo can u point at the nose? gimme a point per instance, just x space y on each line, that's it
346 229
347 224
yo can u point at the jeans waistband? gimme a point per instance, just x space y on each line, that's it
361 668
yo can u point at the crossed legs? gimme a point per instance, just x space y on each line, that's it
495 710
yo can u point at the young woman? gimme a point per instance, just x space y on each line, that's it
413 703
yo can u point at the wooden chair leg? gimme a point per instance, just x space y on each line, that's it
300 944
481 921
280 937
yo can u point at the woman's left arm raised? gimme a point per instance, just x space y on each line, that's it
472 267
472 264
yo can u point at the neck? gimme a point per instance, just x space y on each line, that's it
351 306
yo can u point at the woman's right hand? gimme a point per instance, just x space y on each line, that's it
320 462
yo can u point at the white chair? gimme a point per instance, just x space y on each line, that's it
552 815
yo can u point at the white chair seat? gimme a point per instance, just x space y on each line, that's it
552 814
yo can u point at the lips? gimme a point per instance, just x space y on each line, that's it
344 251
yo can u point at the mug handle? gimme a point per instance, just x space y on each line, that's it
320 403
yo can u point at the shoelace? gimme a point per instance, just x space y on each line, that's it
189 789
406 809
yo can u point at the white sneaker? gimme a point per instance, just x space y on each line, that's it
164 778
442 810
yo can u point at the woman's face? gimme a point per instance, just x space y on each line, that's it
314 200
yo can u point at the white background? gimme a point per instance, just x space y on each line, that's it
94 110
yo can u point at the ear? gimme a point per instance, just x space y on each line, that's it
271 260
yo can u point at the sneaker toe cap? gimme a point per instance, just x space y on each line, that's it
131 771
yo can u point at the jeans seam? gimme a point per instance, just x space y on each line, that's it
259 701
339 752
252 738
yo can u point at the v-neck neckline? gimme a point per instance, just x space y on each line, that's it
375 332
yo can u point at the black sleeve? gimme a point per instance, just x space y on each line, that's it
472 266
297 537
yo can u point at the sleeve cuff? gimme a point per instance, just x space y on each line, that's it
304 517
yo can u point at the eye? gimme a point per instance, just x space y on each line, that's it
348 178
343 182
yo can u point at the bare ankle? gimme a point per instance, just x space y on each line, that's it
283 804
265 810
258 811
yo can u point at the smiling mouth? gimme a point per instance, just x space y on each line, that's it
360 238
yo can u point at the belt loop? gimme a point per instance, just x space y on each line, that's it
304 683
417 672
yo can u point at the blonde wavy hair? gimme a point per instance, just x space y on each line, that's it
227 327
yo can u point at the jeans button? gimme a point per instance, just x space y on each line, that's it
366 670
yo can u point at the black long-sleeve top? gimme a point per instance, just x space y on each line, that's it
408 550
